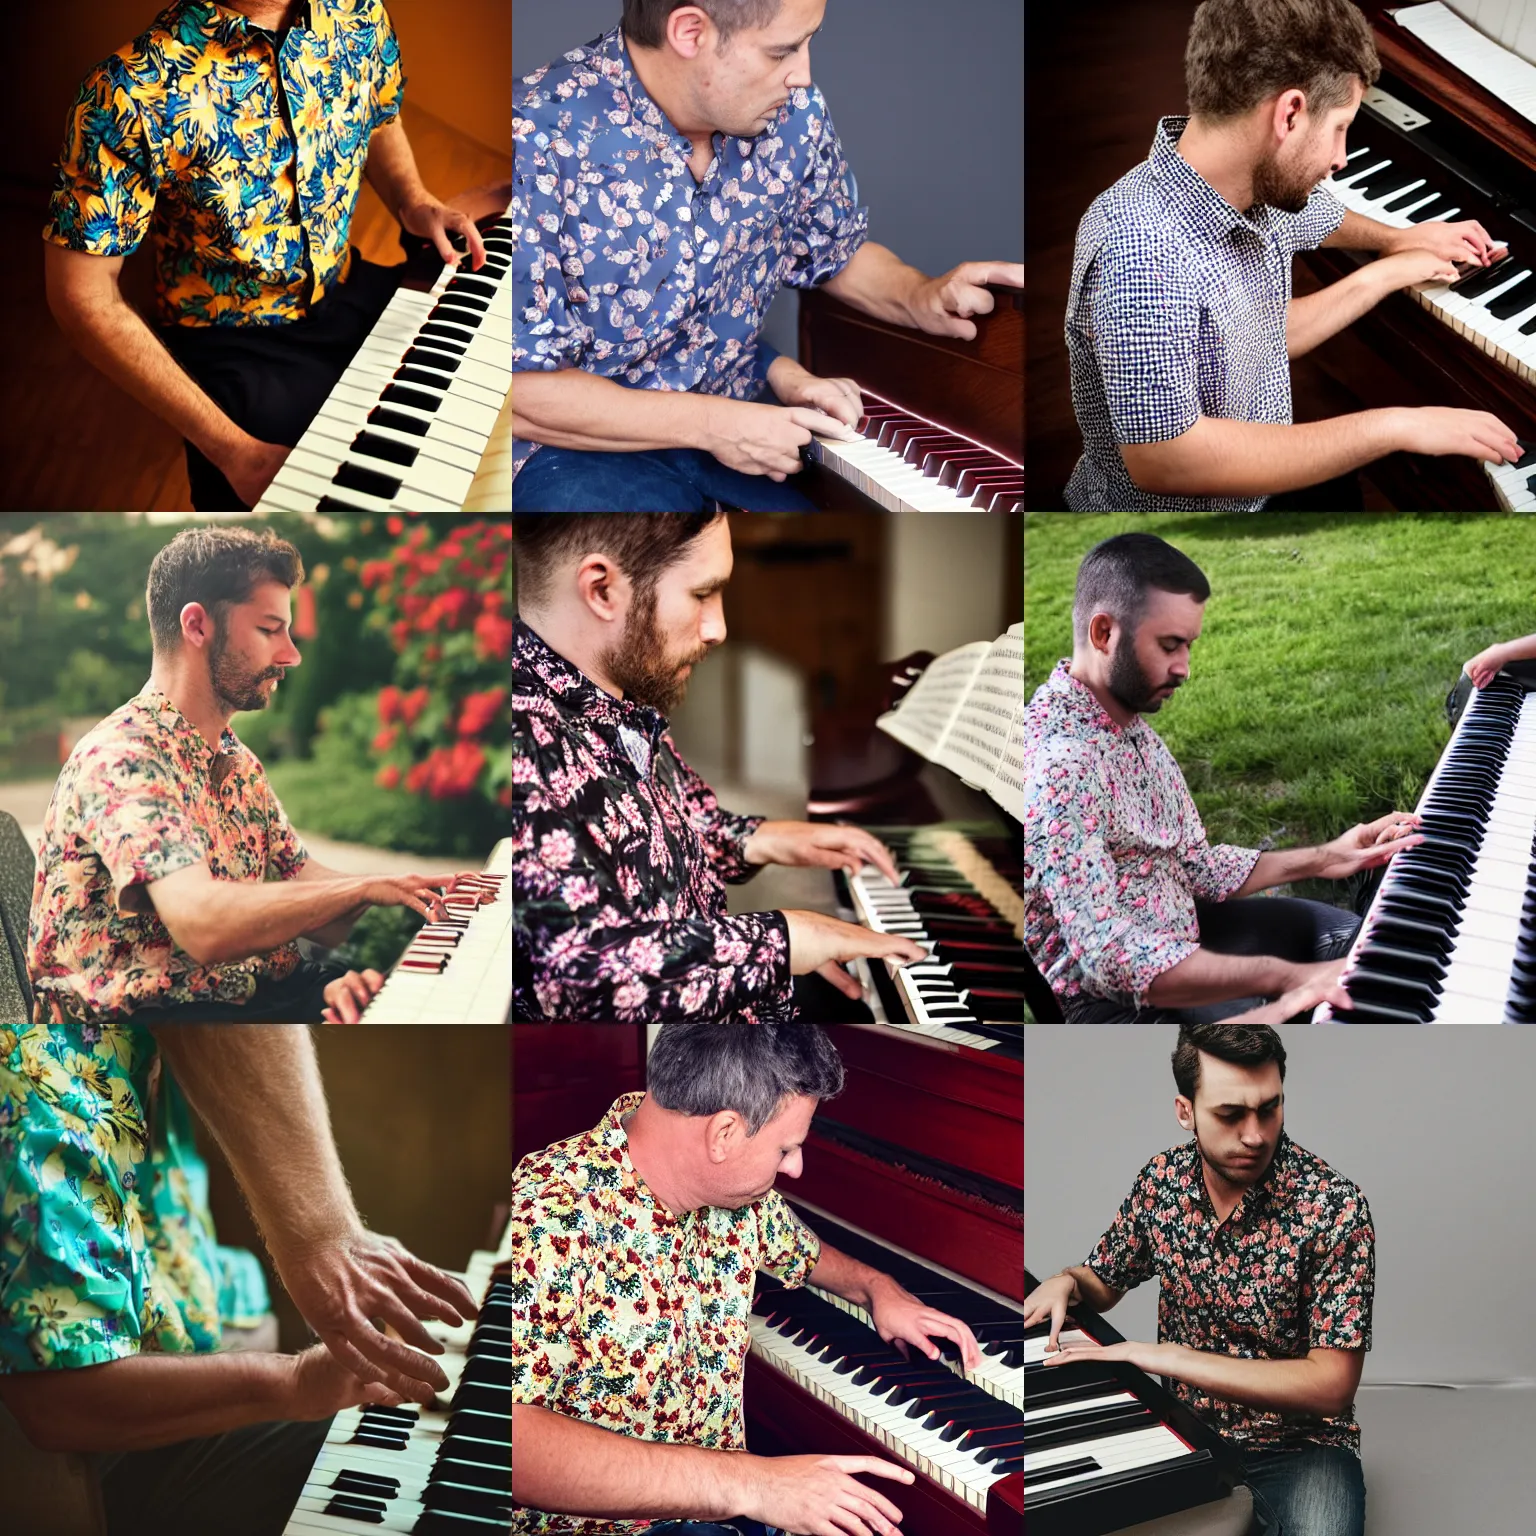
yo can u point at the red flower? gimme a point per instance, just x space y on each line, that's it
395 525
493 636
389 704
386 738
388 777
412 704
479 710
416 777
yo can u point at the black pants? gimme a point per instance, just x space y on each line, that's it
1303 932
270 380
300 999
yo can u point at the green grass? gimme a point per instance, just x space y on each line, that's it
1317 686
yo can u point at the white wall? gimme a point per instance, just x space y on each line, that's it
945 581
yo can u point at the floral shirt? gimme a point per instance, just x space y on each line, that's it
620 855
241 158
106 1247
628 267
631 1318
142 796
1291 1269
1114 851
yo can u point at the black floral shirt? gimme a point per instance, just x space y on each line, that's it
620 858
1292 1268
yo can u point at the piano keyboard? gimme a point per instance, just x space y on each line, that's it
418 408
963 1429
438 1471
1446 940
909 464
458 971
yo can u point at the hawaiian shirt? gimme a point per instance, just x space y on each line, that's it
241 155
620 858
629 268
142 796
631 1318
106 1246
1292 1268
1114 850
1177 311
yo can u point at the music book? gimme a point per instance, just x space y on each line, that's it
966 713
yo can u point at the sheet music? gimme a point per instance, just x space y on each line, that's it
974 743
1500 67
925 711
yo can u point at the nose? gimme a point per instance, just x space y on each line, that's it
792 1164
288 658
799 77
712 625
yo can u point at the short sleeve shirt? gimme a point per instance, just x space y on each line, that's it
142 796
628 1317
1291 1269
620 859
240 155
1176 311
1114 850
629 268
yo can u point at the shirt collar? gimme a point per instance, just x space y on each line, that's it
576 691
1197 199
217 22
168 717
611 1134
1084 705
1253 1197
613 59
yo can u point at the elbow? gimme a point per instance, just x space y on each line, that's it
1151 469
196 937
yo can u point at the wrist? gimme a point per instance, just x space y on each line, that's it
785 376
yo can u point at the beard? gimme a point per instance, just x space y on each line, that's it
236 686
1129 684
640 663
1278 188
1240 1175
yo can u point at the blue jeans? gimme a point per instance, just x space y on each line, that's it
1316 1491
666 480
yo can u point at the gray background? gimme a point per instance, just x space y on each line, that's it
931 117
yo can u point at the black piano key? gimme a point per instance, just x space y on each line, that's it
334 504
442 361
452 300
1385 183
1510 303
350 1507
1430 210
1043 1475
449 316
476 286
368 1483
416 375
373 446
397 421
355 478
417 399
1406 199
445 333
1480 280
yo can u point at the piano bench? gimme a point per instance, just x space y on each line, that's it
1231 1516
47 1493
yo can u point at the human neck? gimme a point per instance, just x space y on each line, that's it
272 15
653 69
655 1157
568 642
194 701
1223 155
1083 672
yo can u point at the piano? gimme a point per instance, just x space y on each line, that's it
940 1209
1446 135
421 420
1450 935
439 1471
457 970
944 420
1107 1447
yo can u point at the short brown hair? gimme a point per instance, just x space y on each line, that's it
645 21
643 544
217 567
1242 52
1244 1045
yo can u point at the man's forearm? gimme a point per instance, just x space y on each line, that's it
148 1400
1208 977
1313 318
569 1468
835 1271
1282 1386
250 917
1281 867
391 169
576 409
878 282
1358 233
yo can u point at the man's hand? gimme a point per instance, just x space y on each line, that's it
1487 664
818 942
901 1319
345 1286
794 385
323 1386
765 439
421 893
819 845
1051 1299
433 220
943 306
820 1495
1444 429
1369 844
348 995
1313 984
1404 269
1142 1356
252 466
1465 241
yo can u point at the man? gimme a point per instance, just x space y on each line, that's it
1180 319
639 1241
620 852
110 1343
170 884
237 136
1266 1263
1129 913
669 177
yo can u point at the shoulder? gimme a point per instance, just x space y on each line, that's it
1322 1192
1168 1172
1132 228
590 73
129 745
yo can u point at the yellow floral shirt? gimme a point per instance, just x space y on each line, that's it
242 160
142 796
628 1317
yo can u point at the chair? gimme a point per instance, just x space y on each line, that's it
18 869
47 1493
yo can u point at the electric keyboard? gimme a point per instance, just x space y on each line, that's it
421 406
457 970
1450 937
1106 1447
439 1471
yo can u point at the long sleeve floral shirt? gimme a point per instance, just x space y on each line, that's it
620 858
1114 850
240 155
142 796
1291 1269
627 267
628 1317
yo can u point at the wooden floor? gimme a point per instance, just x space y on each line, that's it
69 440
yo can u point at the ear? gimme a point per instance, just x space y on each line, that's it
689 30
719 1135
1101 628
1288 109
603 587
1184 1111
196 624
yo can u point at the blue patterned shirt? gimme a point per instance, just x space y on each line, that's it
628 268
1177 311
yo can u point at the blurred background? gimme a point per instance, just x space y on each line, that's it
388 746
